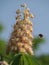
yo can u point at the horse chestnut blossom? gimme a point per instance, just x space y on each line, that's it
21 37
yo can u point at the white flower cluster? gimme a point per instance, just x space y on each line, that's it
21 37
24 14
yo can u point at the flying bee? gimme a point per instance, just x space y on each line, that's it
40 35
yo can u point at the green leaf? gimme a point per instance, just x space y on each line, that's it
43 59
1 28
16 60
2 47
37 41
24 59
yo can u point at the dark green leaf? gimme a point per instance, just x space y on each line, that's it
2 47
